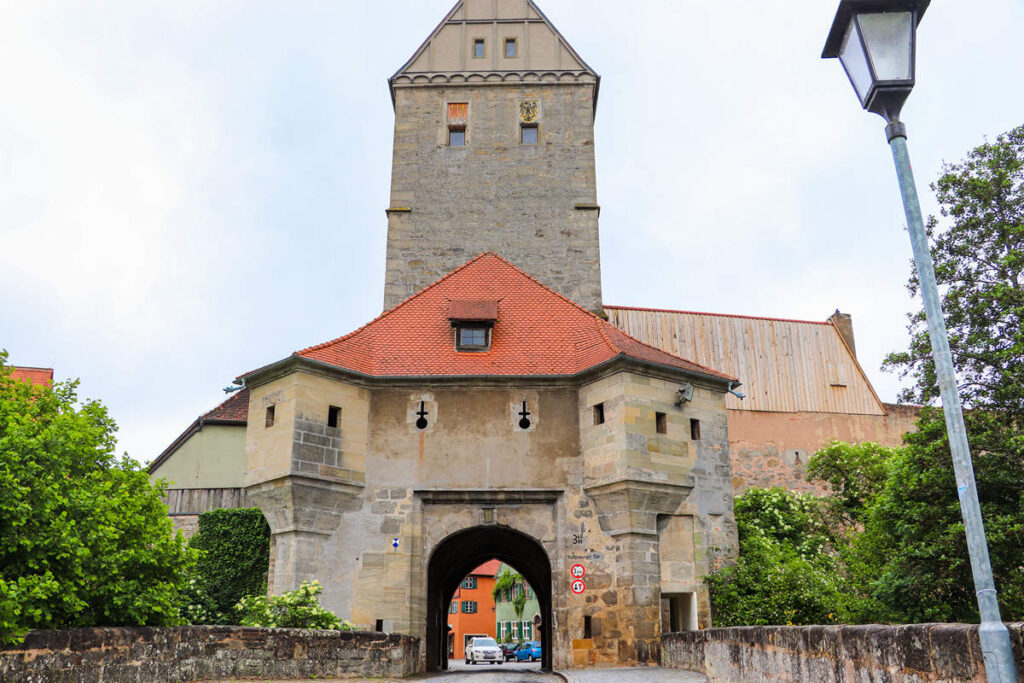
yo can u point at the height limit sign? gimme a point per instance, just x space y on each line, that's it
577 571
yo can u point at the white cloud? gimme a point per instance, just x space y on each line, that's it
189 190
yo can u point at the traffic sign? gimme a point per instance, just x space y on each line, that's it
577 571
578 586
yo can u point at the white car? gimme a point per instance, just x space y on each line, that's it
484 650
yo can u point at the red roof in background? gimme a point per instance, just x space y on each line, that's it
40 377
488 568
235 409
537 332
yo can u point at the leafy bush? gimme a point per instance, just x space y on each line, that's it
785 573
234 554
299 608
85 537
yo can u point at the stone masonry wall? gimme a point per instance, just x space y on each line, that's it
772 449
915 653
203 653
535 205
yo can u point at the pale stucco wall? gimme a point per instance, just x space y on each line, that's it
213 457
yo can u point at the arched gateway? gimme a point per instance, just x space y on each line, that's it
489 417
457 555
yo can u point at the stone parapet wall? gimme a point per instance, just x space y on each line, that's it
914 653
203 653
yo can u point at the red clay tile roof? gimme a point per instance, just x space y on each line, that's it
538 332
235 409
473 309
40 377
488 568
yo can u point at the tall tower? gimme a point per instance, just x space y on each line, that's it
494 150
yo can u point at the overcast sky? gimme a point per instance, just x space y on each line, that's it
190 190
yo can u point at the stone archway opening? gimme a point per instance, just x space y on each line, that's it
465 550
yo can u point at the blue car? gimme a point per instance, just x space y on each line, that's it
529 651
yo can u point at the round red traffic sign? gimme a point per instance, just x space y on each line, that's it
578 586
577 571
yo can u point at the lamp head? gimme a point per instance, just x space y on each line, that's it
876 41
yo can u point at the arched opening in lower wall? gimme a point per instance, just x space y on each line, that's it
460 553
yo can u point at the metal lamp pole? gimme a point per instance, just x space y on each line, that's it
876 42
995 638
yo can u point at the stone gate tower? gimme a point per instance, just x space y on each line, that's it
494 150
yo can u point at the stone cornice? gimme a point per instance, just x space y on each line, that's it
457 78
489 496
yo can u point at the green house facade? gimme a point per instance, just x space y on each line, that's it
509 626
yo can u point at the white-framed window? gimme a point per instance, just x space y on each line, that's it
469 606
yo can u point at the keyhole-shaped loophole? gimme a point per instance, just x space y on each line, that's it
421 423
524 423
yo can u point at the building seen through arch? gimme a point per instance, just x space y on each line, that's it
493 411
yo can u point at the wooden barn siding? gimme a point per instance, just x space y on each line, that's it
785 366
195 501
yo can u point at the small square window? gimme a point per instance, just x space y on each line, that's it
478 48
456 137
472 338
661 423
333 416
599 414
529 135
270 416
511 48
695 430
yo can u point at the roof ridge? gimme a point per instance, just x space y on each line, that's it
719 315
394 308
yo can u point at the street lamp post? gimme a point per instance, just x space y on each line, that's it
876 42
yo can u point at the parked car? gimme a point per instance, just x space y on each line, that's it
509 650
482 649
529 650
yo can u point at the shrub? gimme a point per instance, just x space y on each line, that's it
299 608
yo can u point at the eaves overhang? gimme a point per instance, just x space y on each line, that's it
297 363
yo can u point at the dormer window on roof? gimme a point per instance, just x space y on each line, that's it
472 320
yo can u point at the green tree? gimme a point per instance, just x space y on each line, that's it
85 536
979 265
855 473
234 554
785 572
913 546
